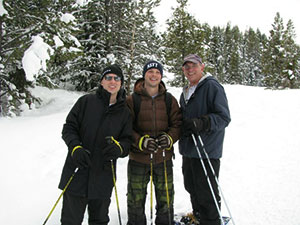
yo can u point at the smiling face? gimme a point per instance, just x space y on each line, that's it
152 78
110 84
193 72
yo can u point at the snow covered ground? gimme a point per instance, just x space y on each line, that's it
260 169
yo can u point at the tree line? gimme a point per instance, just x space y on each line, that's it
124 32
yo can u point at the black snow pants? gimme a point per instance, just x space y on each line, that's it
195 182
74 207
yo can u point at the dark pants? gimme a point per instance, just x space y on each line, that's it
195 182
138 179
74 207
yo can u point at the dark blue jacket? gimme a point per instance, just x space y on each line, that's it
209 99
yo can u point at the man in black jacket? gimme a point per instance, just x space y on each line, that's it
97 131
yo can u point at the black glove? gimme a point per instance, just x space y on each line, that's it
164 141
113 150
81 157
147 143
195 125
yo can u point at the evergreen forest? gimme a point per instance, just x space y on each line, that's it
83 39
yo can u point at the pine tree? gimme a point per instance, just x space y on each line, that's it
142 41
16 38
66 46
251 62
290 76
273 57
91 27
216 55
121 32
183 37
234 72
232 53
39 18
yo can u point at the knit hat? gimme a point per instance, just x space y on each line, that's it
192 58
153 64
115 69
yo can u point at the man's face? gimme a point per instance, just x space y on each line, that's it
110 84
193 72
152 77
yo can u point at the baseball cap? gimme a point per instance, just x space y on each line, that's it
192 58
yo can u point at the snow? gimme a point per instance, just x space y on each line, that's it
81 2
35 57
259 169
57 41
67 17
2 10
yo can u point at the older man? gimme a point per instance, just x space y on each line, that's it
205 113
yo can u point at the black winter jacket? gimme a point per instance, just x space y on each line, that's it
88 123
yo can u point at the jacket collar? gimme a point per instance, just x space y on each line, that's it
105 95
188 91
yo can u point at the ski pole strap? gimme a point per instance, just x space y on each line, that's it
171 140
75 148
141 141
117 143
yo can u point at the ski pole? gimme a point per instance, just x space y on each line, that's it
208 180
65 188
151 188
166 185
216 178
116 194
110 140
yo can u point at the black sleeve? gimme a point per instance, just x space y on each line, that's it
71 128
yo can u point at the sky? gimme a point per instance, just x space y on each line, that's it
255 13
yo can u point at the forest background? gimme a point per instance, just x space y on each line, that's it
79 40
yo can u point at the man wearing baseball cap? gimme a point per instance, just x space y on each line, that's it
205 116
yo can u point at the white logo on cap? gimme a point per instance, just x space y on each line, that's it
107 71
150 65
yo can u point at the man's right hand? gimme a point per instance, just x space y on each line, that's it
147 143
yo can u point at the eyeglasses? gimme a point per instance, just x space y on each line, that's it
109 78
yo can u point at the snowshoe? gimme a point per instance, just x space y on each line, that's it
226 219
190 219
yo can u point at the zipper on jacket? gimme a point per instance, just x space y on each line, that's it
154 116
154 125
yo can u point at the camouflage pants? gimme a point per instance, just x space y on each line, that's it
138 179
